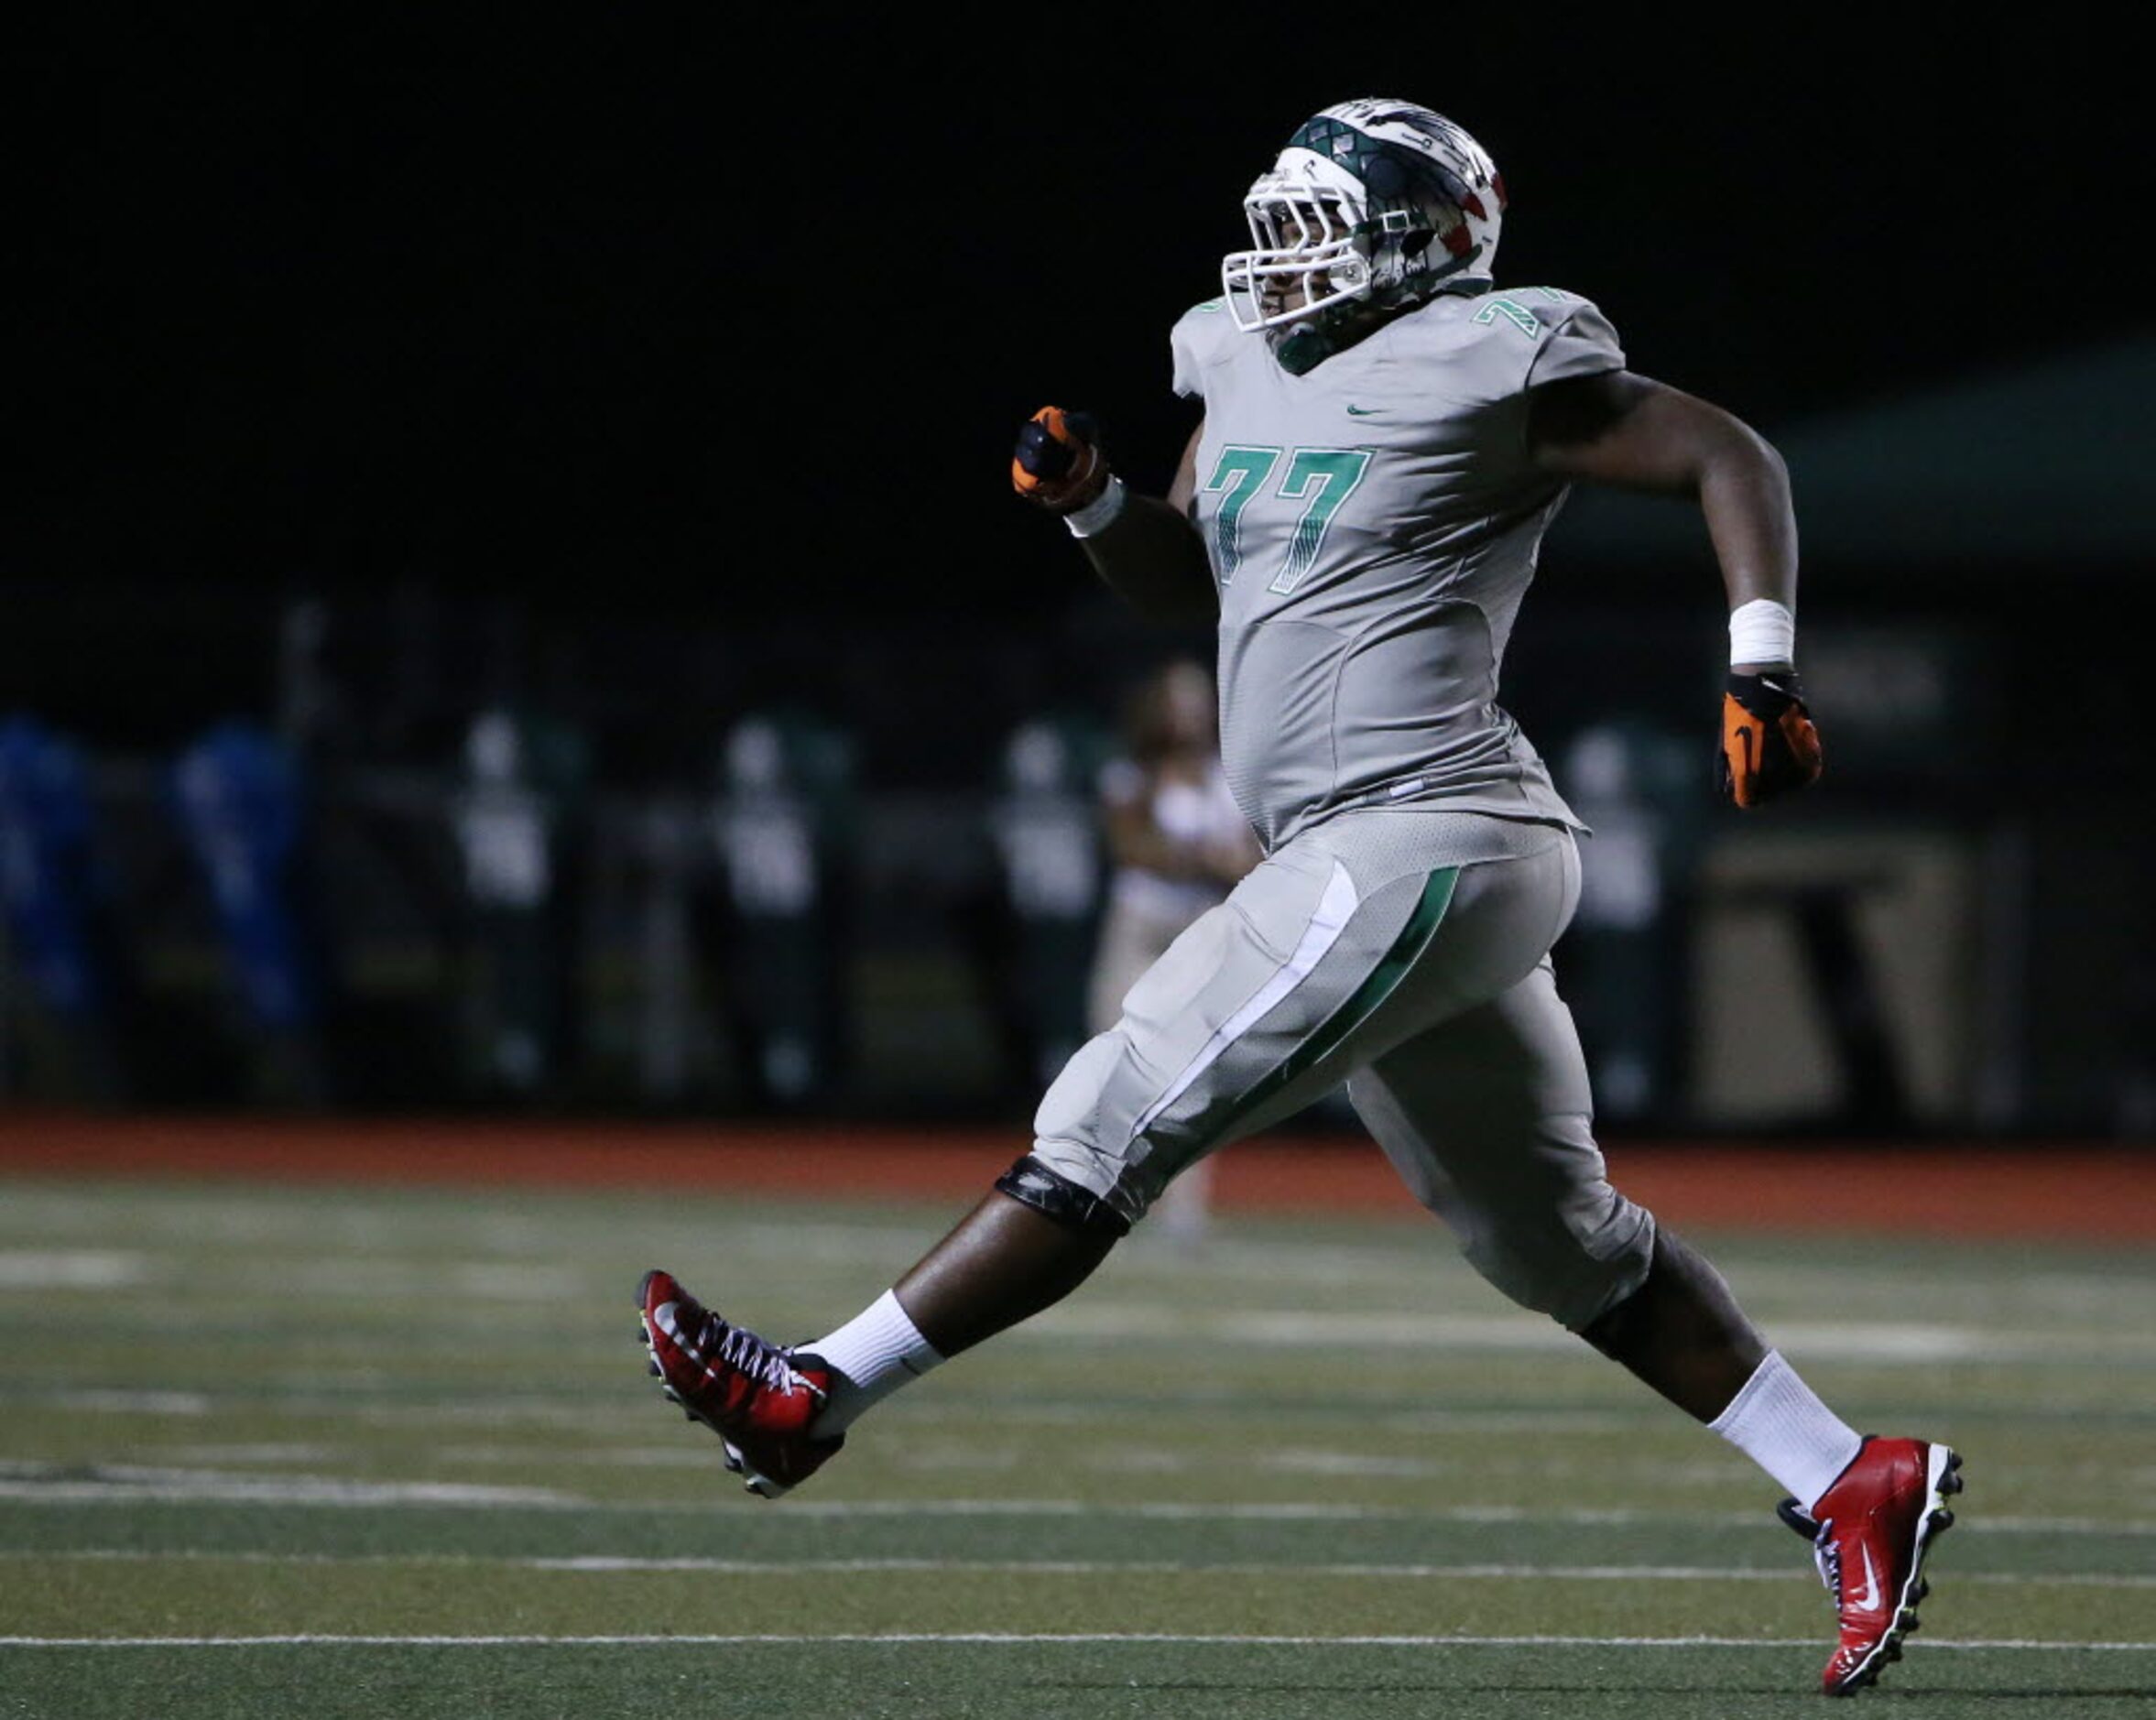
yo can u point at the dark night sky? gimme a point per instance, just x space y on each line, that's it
719 321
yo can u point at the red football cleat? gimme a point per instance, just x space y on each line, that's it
1869 1533
758 1397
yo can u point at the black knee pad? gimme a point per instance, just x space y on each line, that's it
1052 1193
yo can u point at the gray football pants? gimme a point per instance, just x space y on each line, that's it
1362 951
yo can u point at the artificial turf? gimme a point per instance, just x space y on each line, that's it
1309 1467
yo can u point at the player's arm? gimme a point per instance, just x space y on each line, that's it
1144 547
1635 433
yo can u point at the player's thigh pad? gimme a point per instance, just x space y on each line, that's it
1339 945
1130 941
1487 1119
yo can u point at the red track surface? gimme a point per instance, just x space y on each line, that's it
2069 1192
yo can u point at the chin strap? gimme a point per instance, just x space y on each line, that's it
1301 347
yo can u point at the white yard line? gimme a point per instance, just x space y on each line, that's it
41 1485
44 1484
1039 1639
438 1301
1854 1341
1474 1572
118 1401
70 1268
605 1564
1330 1512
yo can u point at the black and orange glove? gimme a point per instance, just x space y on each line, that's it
1058 464
1770 745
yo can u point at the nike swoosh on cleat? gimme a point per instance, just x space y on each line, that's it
1869 1599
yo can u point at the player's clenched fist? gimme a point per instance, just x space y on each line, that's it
1058 464
1770 745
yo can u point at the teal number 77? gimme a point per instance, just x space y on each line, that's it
1319 478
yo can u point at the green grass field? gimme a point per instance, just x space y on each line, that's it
365 1452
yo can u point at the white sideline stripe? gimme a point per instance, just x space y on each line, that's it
1039 1637
41 1484
1169 1567
116 1485
135 1403
605 1564
1328 1511
69 1268
1335 906
1853 1341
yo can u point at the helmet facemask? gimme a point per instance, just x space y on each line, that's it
1305 252
1372 207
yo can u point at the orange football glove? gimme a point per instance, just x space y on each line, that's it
1058 464
1770 745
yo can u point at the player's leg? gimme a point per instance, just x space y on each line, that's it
1682 1332
1334 948
1487 1119
1247 1016
1002 1263
1251 1013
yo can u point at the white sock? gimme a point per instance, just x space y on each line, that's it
873 1353
1778 1422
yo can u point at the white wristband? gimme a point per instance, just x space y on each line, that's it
1084 521
1762 631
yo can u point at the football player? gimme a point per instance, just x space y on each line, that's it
1385 434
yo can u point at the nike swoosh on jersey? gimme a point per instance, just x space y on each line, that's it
1362 411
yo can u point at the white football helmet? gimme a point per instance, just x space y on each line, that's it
1371 200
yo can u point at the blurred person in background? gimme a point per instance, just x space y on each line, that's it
65 949
1386 437
1178 843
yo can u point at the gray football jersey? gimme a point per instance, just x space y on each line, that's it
1373 526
